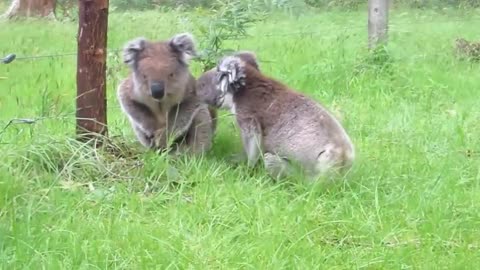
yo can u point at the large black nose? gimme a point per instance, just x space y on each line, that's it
158 89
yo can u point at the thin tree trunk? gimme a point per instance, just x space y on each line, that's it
31 8
91 69
377 22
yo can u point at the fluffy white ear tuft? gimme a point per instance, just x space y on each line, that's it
132 49
223 84
184 44
230 74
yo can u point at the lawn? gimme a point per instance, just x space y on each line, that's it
412 199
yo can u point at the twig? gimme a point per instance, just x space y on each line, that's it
19 121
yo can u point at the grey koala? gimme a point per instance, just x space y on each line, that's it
285 127
158 96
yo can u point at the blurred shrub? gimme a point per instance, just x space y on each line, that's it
227 20
149 4
341 4
69 6
268 5
290 5
438 3
132 4
67 10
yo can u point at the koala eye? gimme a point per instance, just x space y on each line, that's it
170 75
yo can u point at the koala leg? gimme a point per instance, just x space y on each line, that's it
252 139
192 122
160 138
200 134
276 166
143 122
145 139
213 116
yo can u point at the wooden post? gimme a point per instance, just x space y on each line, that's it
377 22
91 68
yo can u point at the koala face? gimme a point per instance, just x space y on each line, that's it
216 86
208 91
160 69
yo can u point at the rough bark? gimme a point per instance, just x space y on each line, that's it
31 8
91 69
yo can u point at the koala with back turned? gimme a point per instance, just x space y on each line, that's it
284 126
158 96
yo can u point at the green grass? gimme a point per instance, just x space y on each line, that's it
411 200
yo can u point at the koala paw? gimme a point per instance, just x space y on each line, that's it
160 138
276 166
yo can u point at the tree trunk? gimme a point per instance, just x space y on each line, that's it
377 22
31 8
91 69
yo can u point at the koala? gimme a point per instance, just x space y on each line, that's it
464 48
206 83
158 96
283 126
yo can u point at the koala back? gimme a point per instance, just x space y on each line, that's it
292 124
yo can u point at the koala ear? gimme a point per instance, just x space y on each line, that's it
249 58
184 45
230 74
132 49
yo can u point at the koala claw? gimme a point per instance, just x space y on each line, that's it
160 138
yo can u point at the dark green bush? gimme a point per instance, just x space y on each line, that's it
148 4
342 4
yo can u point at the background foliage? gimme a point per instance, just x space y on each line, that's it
291 4
270 5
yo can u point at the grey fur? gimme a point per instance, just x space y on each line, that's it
185 45
284 126
179 116
230 74
248 57
214 76
131 51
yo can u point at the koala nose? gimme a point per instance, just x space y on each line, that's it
157 89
